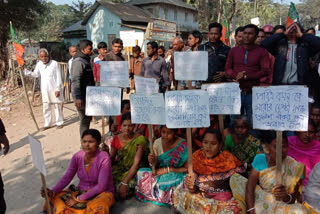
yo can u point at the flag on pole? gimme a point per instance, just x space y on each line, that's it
293 15
18 48
225 28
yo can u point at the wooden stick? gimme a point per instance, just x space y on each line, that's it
43 179
33 89
151 134
221 125
103 129
279 158
189 141
28 101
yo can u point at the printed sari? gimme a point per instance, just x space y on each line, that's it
265 202
125 161
246 151
159 190
99 204
212 181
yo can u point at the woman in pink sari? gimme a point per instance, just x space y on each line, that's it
304 148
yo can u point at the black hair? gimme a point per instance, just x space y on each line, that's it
94 133
215 132
126 116
215 25
153 44
256 29
136 49
315 105
117 41
244 118
239 29
267 136
85 43
261 30
123 103
95 51
162 48
277 27
102 45
312 28
197 34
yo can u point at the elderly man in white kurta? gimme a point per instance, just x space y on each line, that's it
51 87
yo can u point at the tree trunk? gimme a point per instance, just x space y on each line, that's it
4 63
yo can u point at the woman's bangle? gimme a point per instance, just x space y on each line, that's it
287 202
124 183
168 169
250 209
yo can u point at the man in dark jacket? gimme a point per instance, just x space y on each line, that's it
82 76
292 50
217 54
5 144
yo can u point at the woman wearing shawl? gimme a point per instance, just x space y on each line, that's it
94 193
170 158
305 149
311 192
128 153
208 188
242 145
262 198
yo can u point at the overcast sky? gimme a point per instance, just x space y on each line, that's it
92 1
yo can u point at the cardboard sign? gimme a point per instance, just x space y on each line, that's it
192 65
281 108
129 38
103 101
224 98
114 73
37 155
148 109
146 85
187 109
161 30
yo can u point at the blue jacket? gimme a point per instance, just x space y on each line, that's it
277 45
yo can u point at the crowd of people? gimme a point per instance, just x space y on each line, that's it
234 170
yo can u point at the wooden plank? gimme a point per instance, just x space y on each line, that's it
279 158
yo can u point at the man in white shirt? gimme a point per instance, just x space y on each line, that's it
51 87
72 52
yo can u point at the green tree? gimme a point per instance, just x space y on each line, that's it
23 16
80 9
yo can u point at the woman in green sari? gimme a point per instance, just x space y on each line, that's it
241 144
170 158
128 153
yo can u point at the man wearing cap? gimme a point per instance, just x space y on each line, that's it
268 30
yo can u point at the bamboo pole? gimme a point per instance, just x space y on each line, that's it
151 134
28 101
43 179
189 143
221 125
279 158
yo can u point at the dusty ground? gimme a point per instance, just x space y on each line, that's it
22 181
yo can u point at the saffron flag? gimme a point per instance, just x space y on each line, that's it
225 28
18 48
293 15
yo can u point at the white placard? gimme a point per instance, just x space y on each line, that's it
37 155
281 108
255 21
114 73
192 65
146 85
129 38
187 109
224 98
148 109
103 101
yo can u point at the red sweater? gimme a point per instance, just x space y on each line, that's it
254 61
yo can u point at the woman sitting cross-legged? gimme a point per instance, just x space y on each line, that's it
208 188
129 152
95 190
260 192
170 158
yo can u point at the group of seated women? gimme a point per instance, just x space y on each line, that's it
235 173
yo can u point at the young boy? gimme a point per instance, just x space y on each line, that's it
102 49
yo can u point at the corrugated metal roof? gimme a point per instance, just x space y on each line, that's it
126 12
75 27
177 3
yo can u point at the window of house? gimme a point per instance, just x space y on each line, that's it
195 18
185 16
175 14
165 13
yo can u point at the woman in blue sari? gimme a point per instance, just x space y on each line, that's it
170 158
